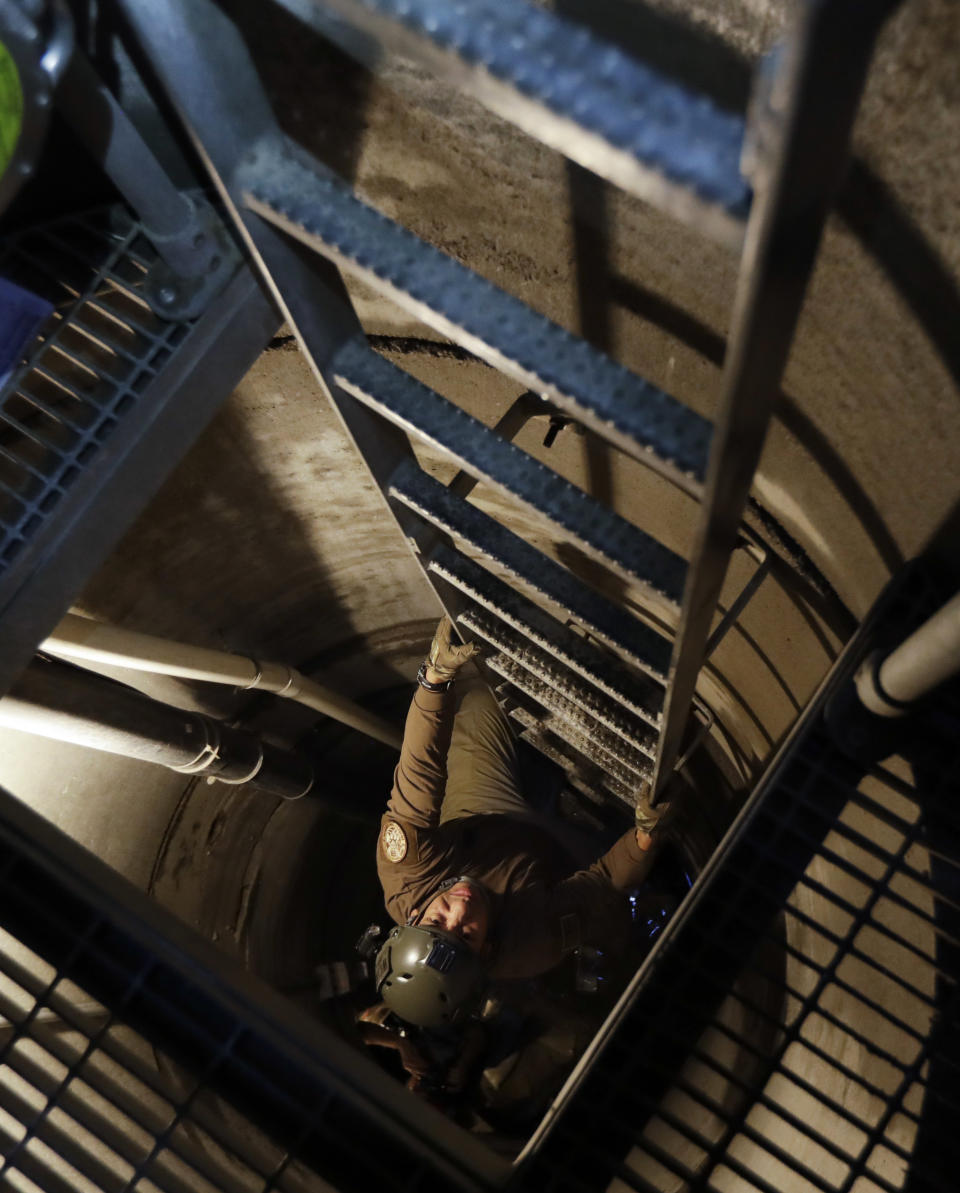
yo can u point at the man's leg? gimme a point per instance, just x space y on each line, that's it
482 773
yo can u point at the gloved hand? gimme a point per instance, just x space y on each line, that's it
647 817
446 657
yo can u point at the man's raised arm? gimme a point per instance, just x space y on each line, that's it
421 774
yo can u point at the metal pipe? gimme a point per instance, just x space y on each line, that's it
85 640
56 700
170 218
889 685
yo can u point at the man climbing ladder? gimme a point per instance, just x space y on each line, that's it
478 883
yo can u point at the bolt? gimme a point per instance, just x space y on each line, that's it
166 296
43 99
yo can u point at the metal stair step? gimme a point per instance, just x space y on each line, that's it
543 737
582 775
319 210
546 669
534 735
569 89
637 694
430 500
568 721
598 531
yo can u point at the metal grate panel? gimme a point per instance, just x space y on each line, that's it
791 1032
544 637
481 533
135 1057
610 713
107 400
88 367
565 716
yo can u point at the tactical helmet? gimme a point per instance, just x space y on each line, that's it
428 977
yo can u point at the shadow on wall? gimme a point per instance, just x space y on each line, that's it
665 43
599 288
885 231
223 559
866 204
868 207
318 94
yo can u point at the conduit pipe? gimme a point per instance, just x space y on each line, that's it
889 684
66 703
84 640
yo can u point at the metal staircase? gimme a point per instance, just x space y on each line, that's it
644 131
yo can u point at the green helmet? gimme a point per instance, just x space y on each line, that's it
428 977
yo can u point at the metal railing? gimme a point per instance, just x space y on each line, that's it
791 1031
136 1056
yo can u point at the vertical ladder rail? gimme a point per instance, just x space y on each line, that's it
800 136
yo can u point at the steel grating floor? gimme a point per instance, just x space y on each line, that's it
793 1031
88 367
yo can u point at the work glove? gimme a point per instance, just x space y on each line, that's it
446 657
646 816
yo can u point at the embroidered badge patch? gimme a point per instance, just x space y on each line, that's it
394 842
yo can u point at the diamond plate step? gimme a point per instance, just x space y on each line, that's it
431 501
569 89
638 694
546 669
599 532
542 738
318 209
566 720
534 734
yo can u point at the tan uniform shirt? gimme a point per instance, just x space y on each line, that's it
540 910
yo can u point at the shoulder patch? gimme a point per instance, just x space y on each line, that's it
393 841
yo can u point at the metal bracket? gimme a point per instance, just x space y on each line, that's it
175 295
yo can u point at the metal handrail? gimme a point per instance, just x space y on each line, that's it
801 131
